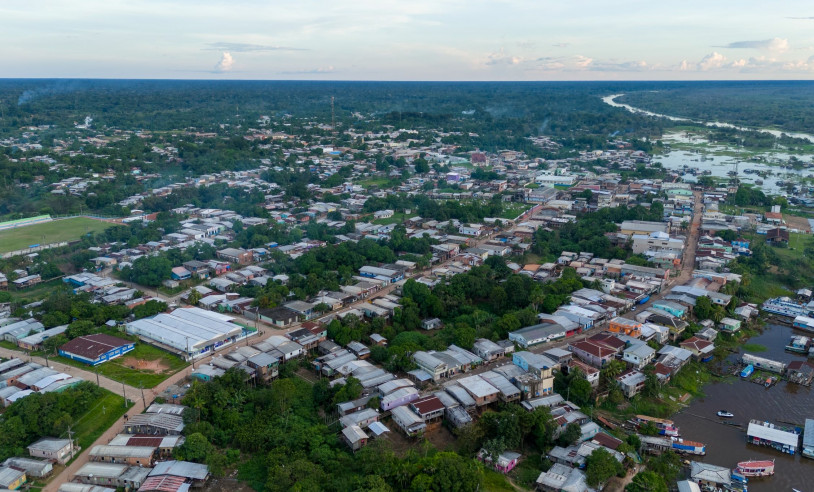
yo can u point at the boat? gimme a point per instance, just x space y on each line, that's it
685 446
724 414
799 344
664 426
770 382
747 371
756 468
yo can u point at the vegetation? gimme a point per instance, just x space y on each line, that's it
130 374
49 232
87 409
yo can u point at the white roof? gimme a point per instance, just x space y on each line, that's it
761 431
199 326
477 386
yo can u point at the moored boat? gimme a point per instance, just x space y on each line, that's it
799 344
747 371
664 426
756 468
724 414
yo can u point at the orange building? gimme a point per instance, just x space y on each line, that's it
626 326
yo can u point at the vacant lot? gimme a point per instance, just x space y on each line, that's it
144 366
49 232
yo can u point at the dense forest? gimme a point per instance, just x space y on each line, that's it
785 105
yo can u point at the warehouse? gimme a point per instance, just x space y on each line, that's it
95 349
781 438
192 332
112 475
128 455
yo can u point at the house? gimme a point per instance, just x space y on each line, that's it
27 281
112 475
31 467
710 477
265 365
670 307
471 229
193 474
535 334
128 455
236 255
631 382
625 326
700 348
408 421
156 424
180 273
730 325
506 461
95 349
777 236
638 355
53 449
481 391
431 324
278 316
487 349
429 408
592 353
354 437
11 478
563 478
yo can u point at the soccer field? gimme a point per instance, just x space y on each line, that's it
49 232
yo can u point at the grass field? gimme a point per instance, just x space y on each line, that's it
513 210
49 232
118 371
98 418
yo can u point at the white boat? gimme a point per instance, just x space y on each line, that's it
724 414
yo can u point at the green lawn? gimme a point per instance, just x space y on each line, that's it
99 418
49 232
117 371
397 218
37 292
513 210
367 183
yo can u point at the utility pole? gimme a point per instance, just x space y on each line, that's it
70 438
96 369
143 401
124 394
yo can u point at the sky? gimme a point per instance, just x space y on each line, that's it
408 39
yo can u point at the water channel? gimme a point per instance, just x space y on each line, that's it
784 402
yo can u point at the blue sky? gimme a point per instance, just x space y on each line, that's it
408 39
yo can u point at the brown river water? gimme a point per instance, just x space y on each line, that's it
784 402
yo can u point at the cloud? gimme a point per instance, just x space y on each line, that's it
246 47
501 58
315 71
712 61
777 45
801 18
561 45
226 63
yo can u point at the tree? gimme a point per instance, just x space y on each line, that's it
572 433
609 373
600 466
647 481
703 308
580 391
194 297
149 308
195 448
421 165
79 328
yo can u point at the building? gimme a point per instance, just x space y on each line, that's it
96 349
781 438
408 421
429 408
128 455
165 445
536 334
563 478
31 467
643 227
638 355
631 383
11 478
625 326
155 424
192 332
505 462
592 353
700 348
112 475
236 255
808 439
710 477
354 437
51 448
194 474
436 368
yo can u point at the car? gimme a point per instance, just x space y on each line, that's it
633 308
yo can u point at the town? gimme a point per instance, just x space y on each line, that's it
377 292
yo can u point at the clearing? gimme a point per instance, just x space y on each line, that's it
144 366
49 232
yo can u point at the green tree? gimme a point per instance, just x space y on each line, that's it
647 481
601 466
571 434
195 448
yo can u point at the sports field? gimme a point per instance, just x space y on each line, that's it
49 232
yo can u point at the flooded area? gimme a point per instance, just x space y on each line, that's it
782 403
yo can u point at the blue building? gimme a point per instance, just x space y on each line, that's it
95 349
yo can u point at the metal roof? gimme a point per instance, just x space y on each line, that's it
123 451
186 469
767 431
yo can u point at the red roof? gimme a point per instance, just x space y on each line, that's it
164 483
608 340
696 343
93 346
428 404
607 440
151 441
593 348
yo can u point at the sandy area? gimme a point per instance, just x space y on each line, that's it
156 366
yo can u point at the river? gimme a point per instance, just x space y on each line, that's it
611 101
714 159
726 445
